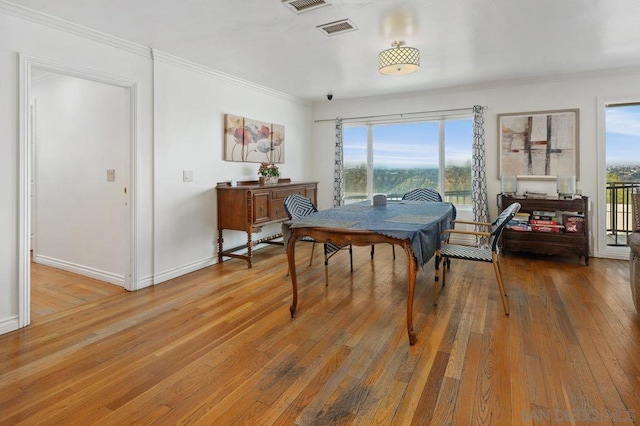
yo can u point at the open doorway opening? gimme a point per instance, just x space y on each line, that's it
77 204
621 177
79 145
623 168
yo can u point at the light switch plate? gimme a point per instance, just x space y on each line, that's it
187 175
111 175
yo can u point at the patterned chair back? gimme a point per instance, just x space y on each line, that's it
423 194
298 206
501 221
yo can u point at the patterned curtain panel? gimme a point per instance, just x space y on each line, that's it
338 167
479 183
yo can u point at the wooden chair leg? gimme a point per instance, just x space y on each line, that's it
504 287
436 282
496 268
313 247
326 268
351 256
393 249
444 270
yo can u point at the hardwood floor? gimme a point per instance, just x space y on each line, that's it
54 290
218 347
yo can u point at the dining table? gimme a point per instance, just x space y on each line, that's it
415 226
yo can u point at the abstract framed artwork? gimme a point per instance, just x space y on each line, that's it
252 141
539 145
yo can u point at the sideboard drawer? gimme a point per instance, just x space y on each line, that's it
261 208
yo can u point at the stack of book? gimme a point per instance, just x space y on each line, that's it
543 221
520 222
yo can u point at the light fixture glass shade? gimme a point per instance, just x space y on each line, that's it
399 59
566 186
509 184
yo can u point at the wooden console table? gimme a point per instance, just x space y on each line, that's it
559 244
248 206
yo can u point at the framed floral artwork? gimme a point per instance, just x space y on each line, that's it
277 144
249 140
257 141
233 138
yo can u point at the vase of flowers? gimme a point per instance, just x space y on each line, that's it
268 173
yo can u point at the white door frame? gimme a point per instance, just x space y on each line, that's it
24 187
602 250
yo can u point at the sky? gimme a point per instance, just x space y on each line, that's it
622 128
409 145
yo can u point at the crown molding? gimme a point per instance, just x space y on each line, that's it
69 27
43 76
168 58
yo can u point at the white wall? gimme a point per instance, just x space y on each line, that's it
21 36
190 103
175 224
81 219
579 93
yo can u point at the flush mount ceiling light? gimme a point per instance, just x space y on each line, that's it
399 59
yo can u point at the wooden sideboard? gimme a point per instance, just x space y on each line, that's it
248 206
559 244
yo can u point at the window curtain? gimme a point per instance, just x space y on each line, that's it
479 182
338 167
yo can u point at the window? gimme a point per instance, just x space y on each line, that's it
393 158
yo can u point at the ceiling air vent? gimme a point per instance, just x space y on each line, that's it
301 6
337 27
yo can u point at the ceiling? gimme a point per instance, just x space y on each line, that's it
461 42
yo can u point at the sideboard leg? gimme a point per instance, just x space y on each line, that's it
249 248
220 241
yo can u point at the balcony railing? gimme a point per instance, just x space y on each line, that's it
619 212
455 197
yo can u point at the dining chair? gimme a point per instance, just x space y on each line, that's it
297 207
423 194
429 195
482 253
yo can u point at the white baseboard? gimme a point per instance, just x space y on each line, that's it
145 282
80 269
9 324
184 269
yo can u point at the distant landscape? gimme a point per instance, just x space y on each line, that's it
623 173
396 181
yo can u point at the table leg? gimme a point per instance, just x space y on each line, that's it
411 286
291 258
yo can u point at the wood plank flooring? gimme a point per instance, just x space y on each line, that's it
218 347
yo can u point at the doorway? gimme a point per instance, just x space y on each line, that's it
77 142
619 173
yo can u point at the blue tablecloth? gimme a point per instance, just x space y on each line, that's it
420 222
